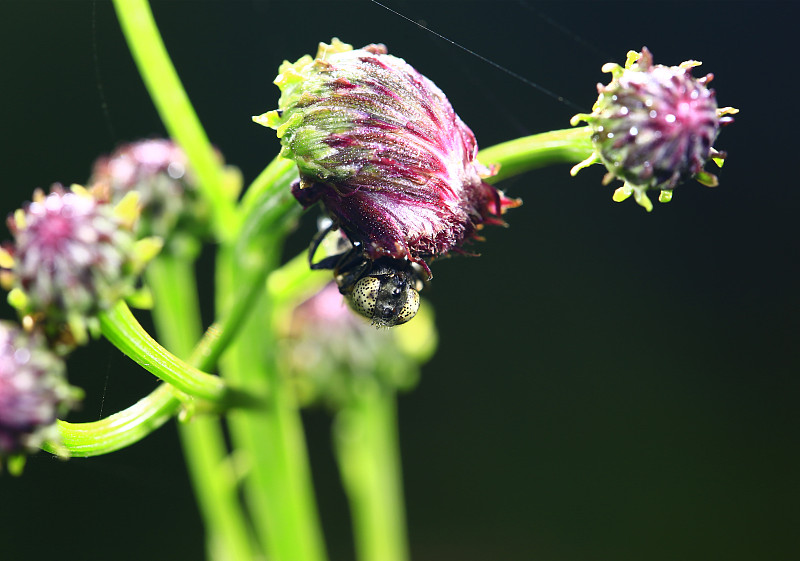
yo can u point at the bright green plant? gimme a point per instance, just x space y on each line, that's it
277 344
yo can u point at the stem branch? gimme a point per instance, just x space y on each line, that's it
539 150
175 109
172 280
121 429
121 328
369 461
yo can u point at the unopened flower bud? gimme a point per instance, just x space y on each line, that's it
158 170
72 257
381 148
33 391
329 350
653 127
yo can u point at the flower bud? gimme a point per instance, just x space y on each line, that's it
72 257
653 127
329 351
33 391
380 146
158 170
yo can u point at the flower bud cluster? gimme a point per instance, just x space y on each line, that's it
76 253
73 255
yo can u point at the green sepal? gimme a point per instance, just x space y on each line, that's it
17 299
707 179
141 299
15 464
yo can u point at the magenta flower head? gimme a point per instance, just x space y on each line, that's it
33 391
158 170
653 127
73 256
381 148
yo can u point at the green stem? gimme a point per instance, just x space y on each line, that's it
176 313
269 212
124 332
536 151
175 109
273 179
177 319
215 485
278 486
288 284
121 429
368 452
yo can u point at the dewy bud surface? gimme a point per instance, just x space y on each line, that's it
380 146
653 127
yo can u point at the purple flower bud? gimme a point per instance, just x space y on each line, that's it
33 391
329 351
72 256
653 127
327 312
381 148
158 170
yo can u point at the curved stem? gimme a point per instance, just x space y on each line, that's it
111 434
531 152
120 429
124 332
175 109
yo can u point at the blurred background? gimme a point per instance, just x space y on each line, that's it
609 385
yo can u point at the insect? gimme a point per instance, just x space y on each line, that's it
384 290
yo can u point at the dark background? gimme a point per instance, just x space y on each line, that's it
609 385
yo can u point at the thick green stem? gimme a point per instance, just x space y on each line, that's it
539 150
215 486
278 486
269 209
176 313
175 109
369 460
